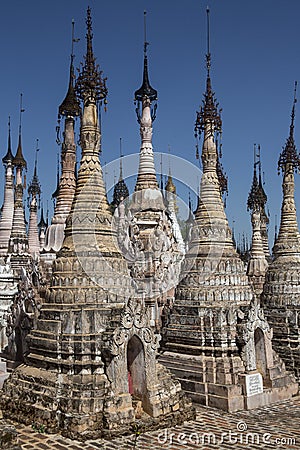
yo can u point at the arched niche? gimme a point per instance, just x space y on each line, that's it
260 352
136 368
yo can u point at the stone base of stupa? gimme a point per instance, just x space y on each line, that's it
220 382
281 303
84 406
285 322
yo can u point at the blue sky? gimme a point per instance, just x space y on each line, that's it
255 61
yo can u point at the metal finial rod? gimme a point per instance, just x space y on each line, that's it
169 158
208 41
145 33
9 124
36 152
259 162
121 156
73 40
254 155
21 111
293 109
207 17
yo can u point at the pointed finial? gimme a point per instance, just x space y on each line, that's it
210 113
276 228
208 56
36 155
70 106
19 160
42 225
161 174
90 84
169 158
289 157
34 188
121 156
145 34
8 158
146 90
257 196
21 111
56 192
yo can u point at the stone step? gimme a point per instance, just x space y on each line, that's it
2 365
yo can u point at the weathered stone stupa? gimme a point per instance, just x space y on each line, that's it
281 294
121 192
257 264
170 199
69 109
217 341
145 235
34 195
6 219
93 351
18 241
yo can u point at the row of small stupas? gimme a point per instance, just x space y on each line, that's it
121 284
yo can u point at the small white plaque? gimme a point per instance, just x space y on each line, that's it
254 384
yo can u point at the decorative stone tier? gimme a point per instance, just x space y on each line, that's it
79 383
8 289
212 350
281 302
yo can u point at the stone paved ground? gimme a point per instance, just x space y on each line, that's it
272 427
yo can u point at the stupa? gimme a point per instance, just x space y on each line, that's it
216 339
146 236
257 264
92 355
281 293
6 219
18 241
34 194
64 194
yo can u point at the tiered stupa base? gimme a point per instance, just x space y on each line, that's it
219 382
217 341
281 302
83 405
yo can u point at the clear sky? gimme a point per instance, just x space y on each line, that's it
255 61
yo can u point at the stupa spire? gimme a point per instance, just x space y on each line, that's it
70 105
66 181
281 297
209 121
257 264
121 191
145 99
172 207
19 160
18 242
264 215
90 82
210 210
8 203
34 194
215 299
288 240
42 227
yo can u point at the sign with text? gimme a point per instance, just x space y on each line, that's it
254 384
